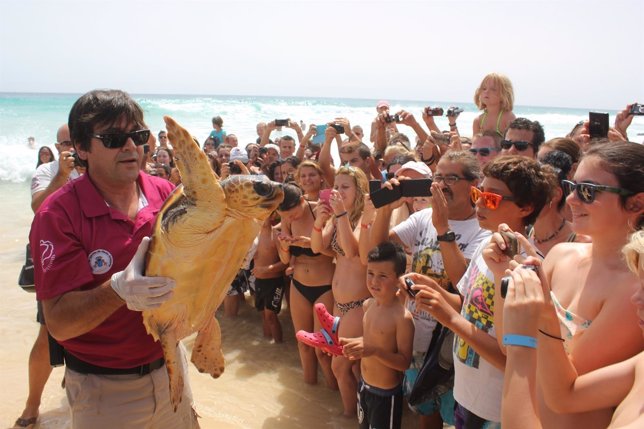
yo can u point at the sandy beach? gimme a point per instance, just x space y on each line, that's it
262 386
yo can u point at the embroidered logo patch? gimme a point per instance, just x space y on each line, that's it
47 255
100 261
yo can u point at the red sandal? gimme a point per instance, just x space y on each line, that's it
328 322
321 340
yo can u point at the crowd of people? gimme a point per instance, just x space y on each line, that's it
514 253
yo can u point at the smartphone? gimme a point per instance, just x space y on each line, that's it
338 128
318 138
374 185
511 244
637 109
416 188
281 122
325 196
384 196
409 283
598 124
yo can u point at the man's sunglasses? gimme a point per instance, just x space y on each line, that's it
484 151
521 146
490 200
586 192
118 140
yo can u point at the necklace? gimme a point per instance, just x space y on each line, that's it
551 236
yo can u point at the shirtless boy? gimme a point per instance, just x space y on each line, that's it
385 348
269 281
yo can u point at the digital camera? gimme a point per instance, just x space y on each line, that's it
454 111
434 111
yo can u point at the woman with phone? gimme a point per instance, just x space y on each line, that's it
312 275
589 282
617 387
337 228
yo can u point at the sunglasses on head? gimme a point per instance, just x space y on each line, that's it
521 146
490 199
484 151
586 192
118 140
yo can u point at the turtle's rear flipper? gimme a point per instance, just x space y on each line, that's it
206 351
173 366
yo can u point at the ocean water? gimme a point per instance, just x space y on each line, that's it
40 115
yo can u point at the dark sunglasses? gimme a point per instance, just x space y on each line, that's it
118 140
67 143
484 151
521 146
586 192
491 200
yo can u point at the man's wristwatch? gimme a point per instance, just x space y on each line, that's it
448 237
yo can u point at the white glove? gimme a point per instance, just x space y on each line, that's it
140 292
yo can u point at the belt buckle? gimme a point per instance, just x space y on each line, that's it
144 369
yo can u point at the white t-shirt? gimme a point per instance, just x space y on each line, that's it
478 386
418 233
45 173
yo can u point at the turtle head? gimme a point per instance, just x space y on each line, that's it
252 196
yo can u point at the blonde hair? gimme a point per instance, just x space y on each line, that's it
634 252
362 187
505 91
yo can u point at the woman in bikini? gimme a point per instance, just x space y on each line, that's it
312 276
309 177
336 228
496 98
590 285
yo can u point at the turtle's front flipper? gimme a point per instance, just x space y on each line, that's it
173 366
206 351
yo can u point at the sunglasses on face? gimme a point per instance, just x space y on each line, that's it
449 180
484 151
586 192
521 146
490 200
66 143
118 140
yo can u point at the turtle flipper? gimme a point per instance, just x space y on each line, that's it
174 367
199 180
206 351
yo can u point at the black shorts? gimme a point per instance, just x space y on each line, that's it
40 314
269 293
379 408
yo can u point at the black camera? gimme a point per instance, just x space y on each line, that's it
505 281
392 118
434 111
454 111
234 168
637 109
338 128
77 161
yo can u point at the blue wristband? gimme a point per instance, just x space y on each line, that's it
520 340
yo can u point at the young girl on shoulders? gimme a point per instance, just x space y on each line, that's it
495 97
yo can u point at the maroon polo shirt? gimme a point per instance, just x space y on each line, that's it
77 243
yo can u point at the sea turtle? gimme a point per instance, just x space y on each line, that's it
202 233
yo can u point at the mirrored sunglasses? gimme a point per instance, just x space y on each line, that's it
520 145
118 140
586 192
490 199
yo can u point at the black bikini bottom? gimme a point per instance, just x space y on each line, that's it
311 293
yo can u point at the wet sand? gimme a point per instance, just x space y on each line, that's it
261 387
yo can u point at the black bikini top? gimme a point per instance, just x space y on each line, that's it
306 251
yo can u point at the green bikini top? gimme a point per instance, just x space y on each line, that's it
498 122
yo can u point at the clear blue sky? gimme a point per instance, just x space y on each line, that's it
557 53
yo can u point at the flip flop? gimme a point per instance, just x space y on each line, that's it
321 340
329 323
22 423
